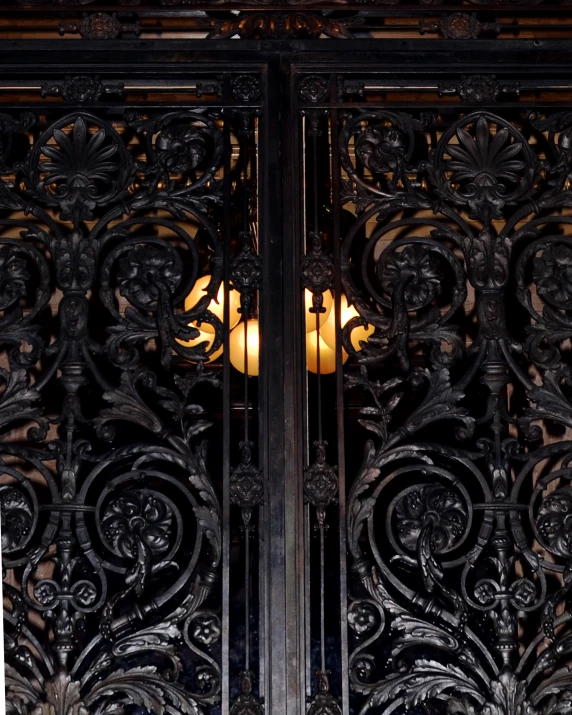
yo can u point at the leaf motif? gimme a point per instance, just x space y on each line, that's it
141 686
61 697
360 509
209 520
128 406
379 593
16 402
550 402
20 687
173 407
417 632
558 682
440 403
157 637
426 680
379 429
196 428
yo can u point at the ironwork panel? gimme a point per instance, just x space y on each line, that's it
434 263
368 509
130 491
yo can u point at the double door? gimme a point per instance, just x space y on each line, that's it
286 378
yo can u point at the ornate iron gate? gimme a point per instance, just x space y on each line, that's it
366 510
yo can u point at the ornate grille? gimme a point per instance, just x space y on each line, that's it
118 230
438 401
285 371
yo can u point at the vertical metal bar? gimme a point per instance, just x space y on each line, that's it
227 188
294 366
305 632
335 168
279 400
322 602
262 510
245 318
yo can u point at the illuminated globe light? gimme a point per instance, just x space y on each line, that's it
236 347
216 307
203 337
328 301
328 331
327 355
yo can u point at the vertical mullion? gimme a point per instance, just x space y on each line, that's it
294 362
279 403
335 169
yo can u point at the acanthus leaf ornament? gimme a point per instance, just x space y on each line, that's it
13 278
553 275
554 522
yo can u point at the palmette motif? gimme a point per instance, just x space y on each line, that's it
459 518
111 584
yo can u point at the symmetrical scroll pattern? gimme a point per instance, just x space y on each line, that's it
459 519
111 524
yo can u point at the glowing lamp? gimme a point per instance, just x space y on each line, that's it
328 301
327 355
236 347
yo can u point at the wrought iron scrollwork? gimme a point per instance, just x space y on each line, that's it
458 519
111 521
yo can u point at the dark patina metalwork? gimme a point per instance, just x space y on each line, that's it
393 536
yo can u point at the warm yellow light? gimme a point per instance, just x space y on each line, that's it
215 306
236 347
328 331
328 301
327 355
203 337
